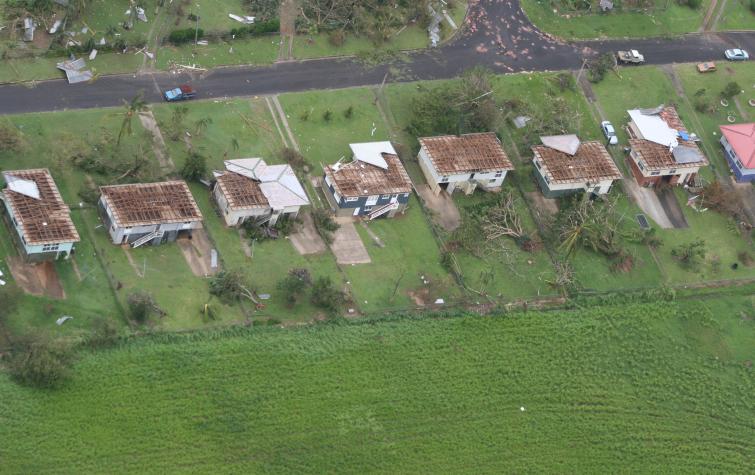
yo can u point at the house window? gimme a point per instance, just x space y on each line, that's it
672 171
351 200
547 180
655 173
498 174
367 208
444 179
639 164
50 247
537 164
384 197
739 164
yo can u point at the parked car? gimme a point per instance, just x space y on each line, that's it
708 67
180 93
630 57
736 54
609 132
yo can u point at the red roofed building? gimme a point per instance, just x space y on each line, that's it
738 141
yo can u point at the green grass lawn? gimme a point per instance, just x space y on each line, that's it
261 50
737 16
395 279
324 142
623 388
672 21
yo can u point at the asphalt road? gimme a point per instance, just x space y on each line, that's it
497 35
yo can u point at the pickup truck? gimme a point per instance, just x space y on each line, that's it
630 57
180 93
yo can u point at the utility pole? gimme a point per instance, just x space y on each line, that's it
196 29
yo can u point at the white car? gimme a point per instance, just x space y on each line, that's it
736 54
609 132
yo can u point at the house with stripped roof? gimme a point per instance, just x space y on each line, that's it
249 188
149 213
463 162
662 151
374 184
43 229
738 141
565 165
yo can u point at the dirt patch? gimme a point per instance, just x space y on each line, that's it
347 245
245 243
158 143
198 253
305 238
419 297
39 279
445 213
544 206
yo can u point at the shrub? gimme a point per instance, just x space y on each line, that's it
598 68
231 285
195 167
40 362
141 306
10 138
326 296
304 116
752 6
294 285
327 116
690 254
104 334
185 35
731 90
324 224
337 38
349 112
293 158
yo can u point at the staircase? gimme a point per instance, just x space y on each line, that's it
147 238
376 213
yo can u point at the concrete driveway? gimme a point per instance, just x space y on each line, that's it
305 238
648 202
445 212
347 245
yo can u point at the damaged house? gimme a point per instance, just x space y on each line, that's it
251 189
463 162
35 209
565 165
662 151
373 184
151 213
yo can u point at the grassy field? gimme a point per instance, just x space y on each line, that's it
672 21
737 16
623 388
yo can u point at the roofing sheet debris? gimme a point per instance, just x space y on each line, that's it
590 163
145 204
469 153
357 178
42 220
372 152
569 144
74 70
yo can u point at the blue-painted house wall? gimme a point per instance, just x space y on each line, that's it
741 174
361 201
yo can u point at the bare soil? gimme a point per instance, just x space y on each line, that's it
39 279
445 213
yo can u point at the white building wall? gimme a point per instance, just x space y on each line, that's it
487 180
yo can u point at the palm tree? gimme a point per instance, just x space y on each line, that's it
201 125
136 105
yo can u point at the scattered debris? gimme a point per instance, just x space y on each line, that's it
521 121
29 27
75 72
439 301
203 42
214 258
606 5
264 296
92 54
141 15
434 28
55 26
63 319
247 20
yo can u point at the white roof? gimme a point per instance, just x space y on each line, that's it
372 153
25 187
653 128
277 182
568 144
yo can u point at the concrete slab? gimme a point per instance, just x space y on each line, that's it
347 245
648 202
305 238
198 253
445 213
